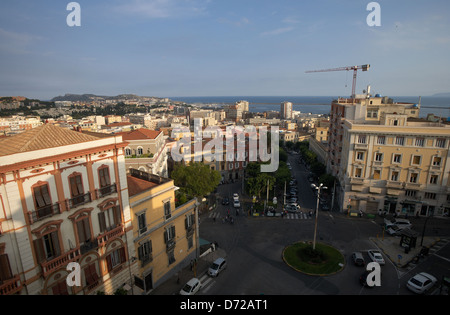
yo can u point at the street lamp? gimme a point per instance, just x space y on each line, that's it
318 188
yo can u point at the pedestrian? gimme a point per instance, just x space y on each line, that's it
217 244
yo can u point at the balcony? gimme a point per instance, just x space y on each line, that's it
79 200
105 191
357 181
61 261
394 184
10 286
44 212
107 236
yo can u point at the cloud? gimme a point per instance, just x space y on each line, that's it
159 9
14 42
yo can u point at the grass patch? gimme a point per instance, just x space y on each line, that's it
321 261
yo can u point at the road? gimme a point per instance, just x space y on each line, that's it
254 248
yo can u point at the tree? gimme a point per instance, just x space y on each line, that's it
196 179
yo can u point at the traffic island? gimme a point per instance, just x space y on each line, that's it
322 261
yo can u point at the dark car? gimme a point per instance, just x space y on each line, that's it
358 259
226 201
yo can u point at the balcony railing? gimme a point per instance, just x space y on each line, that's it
44 212
11 286
79 200
107 190
103 238
62 260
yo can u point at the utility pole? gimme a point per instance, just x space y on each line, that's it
319 188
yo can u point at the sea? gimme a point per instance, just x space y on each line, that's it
439 106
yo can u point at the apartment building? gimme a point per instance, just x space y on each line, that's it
16 124
165 235
146 151
286 110
63 199
395 163
361 108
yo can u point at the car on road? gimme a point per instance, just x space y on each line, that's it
358 259
236 204
191 287
401 223
393 230
292 208
421 283
226 201
376 256
217 266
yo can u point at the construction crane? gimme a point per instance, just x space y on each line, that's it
354 68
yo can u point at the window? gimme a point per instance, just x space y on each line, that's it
358 172
413 177
142 223
429 195
76 190
397 158
47 247
381 140
128 152
379 157
5 268
399 140
84 230
90 274
395 122
140 151
394 176
362 139
103 174
189 221
42 196
171 256
360 156
376 174
410 193
419 142
145 252
416 159
115 259
436 161
110 219
167 213
440 143
434 179
372 113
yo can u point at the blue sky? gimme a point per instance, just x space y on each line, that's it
222 47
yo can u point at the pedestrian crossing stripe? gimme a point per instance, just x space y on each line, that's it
289 216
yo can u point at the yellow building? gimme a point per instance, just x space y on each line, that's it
165 236
396 163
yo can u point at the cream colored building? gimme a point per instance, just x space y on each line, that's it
63 199
395 163
165 236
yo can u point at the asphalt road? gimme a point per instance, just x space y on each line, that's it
254 248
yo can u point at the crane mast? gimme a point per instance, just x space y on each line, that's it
349 68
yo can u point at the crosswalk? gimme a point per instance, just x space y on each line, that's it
215 215
207 282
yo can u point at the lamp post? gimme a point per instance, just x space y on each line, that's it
318 188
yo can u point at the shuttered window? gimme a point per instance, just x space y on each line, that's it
42 196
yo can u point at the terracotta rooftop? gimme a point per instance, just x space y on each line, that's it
137 185
43 137
139 134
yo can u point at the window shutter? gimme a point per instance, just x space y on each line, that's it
39 249
102 221
46 195
5 268
108 262
122 255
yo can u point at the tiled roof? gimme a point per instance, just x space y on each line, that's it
136 185
140 134
43 137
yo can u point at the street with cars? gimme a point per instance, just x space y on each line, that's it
254 246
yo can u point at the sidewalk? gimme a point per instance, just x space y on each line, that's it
174 285
390 246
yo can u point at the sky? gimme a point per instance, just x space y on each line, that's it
173 48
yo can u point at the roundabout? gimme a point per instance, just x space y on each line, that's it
322 261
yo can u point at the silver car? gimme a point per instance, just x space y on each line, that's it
218 266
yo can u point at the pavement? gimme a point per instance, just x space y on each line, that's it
390 246
174 284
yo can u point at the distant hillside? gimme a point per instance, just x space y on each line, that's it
442 94
93 97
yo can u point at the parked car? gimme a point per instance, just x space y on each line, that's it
226 201
236 204
217 266
401 223
292 208
421 283
191 287
358 259
376 256
393 230
235 196
292 200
